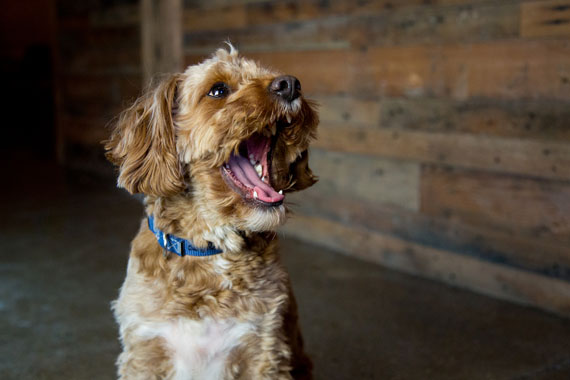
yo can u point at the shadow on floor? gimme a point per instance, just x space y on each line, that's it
63 255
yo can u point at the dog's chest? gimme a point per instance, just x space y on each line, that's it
200 349
195 348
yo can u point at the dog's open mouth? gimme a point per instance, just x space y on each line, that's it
247 173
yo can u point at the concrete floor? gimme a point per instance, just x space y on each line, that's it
64 244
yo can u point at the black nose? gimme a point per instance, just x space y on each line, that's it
286 86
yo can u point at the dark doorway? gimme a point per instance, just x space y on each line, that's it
26 64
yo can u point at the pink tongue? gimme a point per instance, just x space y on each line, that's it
247 175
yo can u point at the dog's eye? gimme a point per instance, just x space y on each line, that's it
219 90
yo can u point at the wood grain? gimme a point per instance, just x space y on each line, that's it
161 37
507 246
319 34
215 14
350 109
349 29
436 23
542 120
542 159
478 275
372 179
535 208
502 70
545 18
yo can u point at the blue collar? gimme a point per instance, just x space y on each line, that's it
181 247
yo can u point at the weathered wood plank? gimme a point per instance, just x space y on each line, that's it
329 33
545 18
478 275
542 120
535 208
240 15
362 5
372 179
504 70
523 119
210 15
541 255
350 109
435 24
500 70
216 4
473 23
543 159
161 35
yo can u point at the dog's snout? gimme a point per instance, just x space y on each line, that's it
286 86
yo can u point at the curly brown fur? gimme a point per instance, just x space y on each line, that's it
232 315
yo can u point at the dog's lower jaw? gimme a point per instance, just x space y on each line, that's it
264 219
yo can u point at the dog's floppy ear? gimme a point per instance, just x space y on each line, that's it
143 143
302 175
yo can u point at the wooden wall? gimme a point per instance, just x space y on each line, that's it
444 146
98 73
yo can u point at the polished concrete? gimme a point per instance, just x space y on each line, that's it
64 244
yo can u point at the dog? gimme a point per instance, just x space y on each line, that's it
214 150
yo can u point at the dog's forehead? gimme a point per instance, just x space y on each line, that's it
230 65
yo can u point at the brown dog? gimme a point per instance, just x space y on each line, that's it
214 150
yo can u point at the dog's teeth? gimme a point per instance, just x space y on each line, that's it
273 129
258 169
254 194
288 118
264 178
281 192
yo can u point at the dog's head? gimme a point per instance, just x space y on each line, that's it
227 136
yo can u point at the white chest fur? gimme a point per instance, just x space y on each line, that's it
200 348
